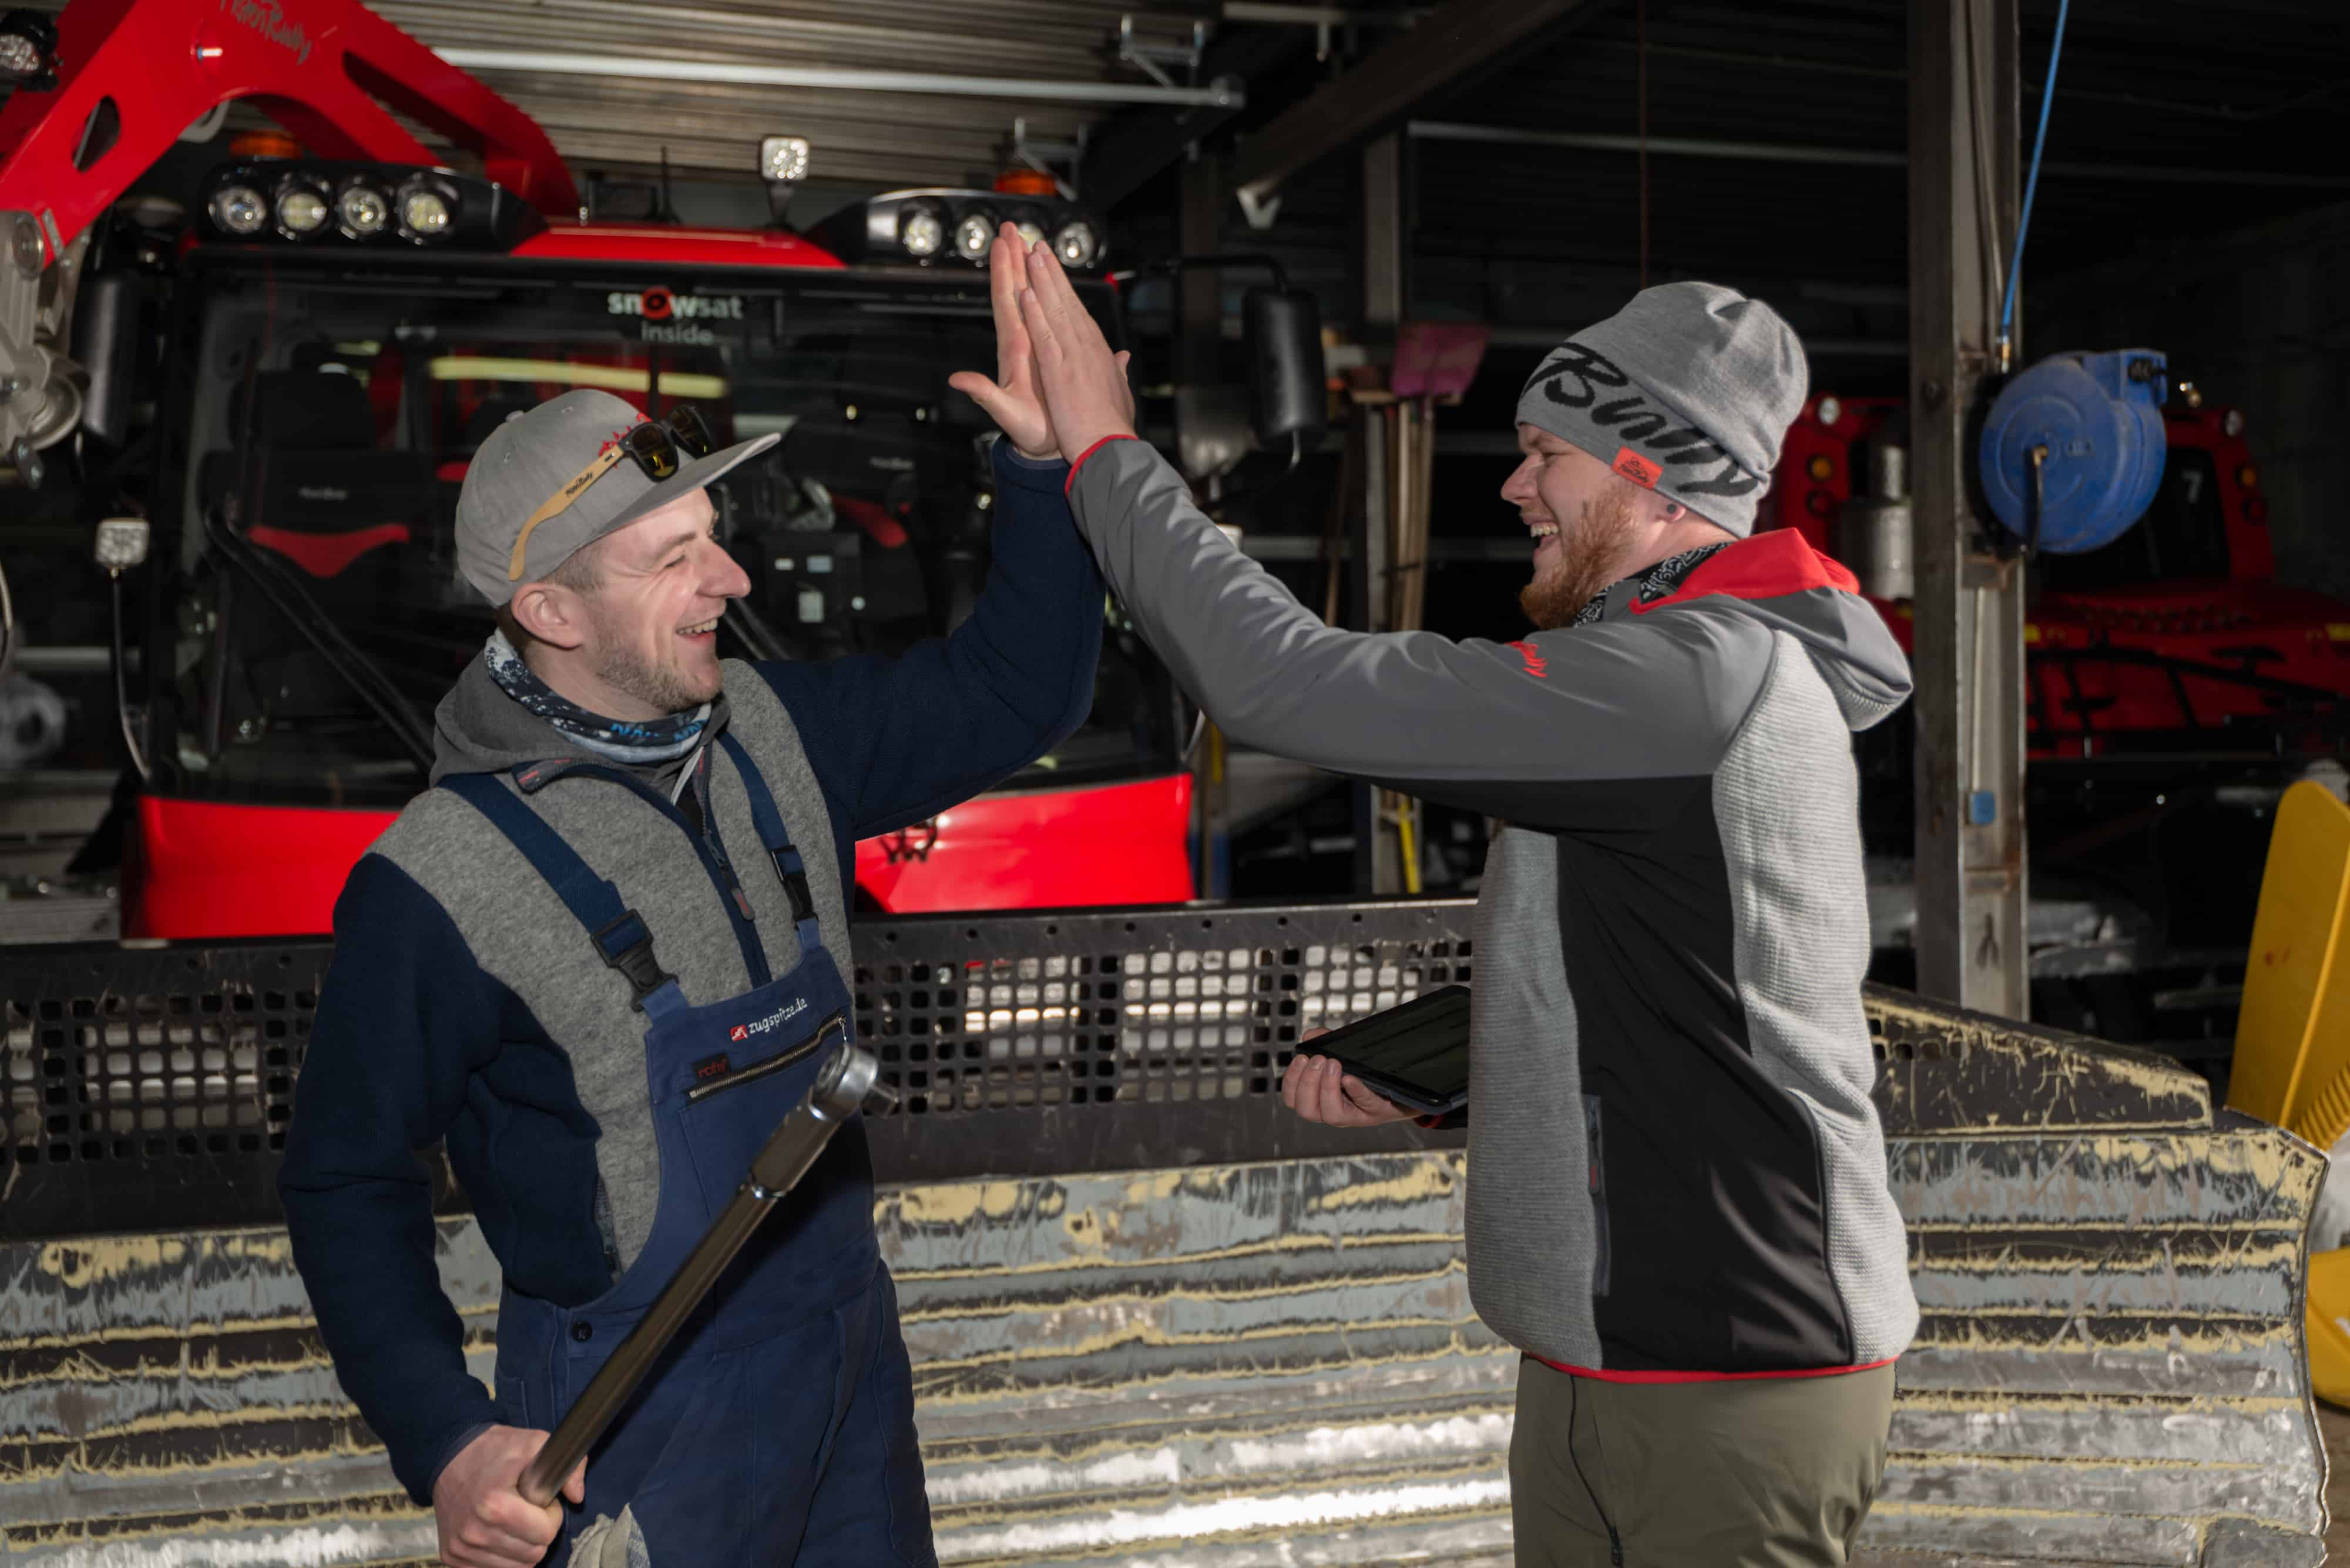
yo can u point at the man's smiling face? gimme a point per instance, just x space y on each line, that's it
1581 517
651 620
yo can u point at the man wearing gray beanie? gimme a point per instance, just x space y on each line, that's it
1678 1202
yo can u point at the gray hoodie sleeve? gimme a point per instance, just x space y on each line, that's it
1470 723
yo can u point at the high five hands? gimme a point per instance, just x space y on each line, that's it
1058 390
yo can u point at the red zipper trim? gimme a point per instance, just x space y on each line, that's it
1604 1375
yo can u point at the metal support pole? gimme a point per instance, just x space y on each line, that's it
1198 353
1971 935
1387 255
1386 235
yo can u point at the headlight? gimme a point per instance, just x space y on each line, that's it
302 210
424 213
2232 423
363 211
973 235
921 232
239 209
1077 245
28 48
1828 410
784 159
20 57
1032 233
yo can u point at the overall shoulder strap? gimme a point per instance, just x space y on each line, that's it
621 937
778 840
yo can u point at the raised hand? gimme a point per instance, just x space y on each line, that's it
1011 399
1084 384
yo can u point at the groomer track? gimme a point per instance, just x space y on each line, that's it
1153 1318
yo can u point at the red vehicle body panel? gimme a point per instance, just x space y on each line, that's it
204 870
1042 849
200 869
2245 624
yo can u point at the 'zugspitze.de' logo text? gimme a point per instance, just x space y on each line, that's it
774 1020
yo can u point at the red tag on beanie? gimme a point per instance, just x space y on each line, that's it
1636 468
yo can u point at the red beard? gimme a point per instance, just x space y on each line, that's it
1589 549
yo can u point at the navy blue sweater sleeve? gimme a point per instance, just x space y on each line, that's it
894 740
404 1015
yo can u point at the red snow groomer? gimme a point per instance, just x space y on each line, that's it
345 315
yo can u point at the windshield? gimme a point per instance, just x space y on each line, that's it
332 417
2183 537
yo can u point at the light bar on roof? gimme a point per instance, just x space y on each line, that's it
947 227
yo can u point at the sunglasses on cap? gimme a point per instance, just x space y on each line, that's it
657 446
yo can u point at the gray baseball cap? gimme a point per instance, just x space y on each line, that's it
532 456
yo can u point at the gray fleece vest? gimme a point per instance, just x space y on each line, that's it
521 935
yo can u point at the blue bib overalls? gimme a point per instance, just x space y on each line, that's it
779 1428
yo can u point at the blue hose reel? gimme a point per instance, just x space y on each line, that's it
2072 452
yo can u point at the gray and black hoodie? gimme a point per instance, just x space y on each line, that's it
1674 1167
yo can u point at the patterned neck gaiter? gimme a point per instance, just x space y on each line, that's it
634 742
1661 581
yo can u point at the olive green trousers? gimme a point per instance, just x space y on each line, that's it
1757 1473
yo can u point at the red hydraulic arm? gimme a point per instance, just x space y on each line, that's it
324 69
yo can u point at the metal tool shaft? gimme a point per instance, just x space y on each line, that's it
846 1082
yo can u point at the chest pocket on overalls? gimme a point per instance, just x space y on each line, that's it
735 1102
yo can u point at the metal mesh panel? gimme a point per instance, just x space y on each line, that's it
143 1077
151 1087
115 1055
1159 1009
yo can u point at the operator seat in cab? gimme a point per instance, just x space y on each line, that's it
312 484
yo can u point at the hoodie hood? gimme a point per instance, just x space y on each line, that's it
478 729
1779 579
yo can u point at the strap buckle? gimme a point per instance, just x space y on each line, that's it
627 945
795 884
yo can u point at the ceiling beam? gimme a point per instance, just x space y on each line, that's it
649 68
1445 51
1123 153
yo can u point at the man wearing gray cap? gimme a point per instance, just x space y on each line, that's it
1678 1202
599 961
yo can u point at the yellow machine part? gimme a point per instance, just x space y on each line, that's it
2293 1036
2329 1326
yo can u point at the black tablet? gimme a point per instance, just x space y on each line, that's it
1416 1054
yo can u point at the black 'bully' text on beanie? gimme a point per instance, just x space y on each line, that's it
1686 391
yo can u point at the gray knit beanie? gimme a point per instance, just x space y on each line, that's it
1686 391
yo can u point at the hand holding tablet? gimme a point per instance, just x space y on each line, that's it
1405 1061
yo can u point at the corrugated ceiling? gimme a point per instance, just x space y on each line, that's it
860 137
